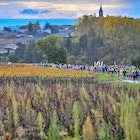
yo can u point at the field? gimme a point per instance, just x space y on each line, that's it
38 103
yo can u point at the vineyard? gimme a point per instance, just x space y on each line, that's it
38 103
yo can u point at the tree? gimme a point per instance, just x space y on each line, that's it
31 54
75 48
7 29
68 44
50 48
26 53
13 58
37 22
47 26
135 61
94 42
71 59
30 28
33 27
61 55
19 52
83 42
109 38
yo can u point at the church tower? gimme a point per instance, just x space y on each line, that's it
101 11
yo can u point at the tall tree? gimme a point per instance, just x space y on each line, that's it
47 26
50 47
30 28
68 44
83 43
31 54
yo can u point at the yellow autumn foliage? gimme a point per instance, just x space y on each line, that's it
33 70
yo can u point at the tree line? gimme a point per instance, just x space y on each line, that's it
108 39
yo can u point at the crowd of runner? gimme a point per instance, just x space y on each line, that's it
131 72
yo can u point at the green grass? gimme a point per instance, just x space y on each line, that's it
106 77
115 80
127 84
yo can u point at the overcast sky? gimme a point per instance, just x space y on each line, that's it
42 9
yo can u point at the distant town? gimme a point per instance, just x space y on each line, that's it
32 31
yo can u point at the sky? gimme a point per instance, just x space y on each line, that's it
46 9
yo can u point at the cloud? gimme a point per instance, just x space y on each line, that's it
33 11
61 8
44 11
29 11
69 1
3 3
